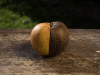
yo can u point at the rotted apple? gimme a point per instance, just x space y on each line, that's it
49 39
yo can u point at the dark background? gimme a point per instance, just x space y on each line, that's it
75 14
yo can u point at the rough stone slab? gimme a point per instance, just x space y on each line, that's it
81 56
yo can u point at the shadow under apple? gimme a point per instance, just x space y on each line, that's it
26 50
63 63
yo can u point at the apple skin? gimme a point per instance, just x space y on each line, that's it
59 38
39 38
49 39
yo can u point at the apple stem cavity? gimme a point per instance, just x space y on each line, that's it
51 24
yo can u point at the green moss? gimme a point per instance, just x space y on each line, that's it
12 20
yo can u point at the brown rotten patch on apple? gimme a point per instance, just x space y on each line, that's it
49 39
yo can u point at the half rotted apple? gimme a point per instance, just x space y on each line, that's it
49 39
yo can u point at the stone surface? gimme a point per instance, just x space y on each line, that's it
81 56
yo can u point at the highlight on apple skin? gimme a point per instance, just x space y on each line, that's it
49 39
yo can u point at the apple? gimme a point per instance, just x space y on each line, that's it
49 39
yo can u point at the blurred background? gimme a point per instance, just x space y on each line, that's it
20 14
